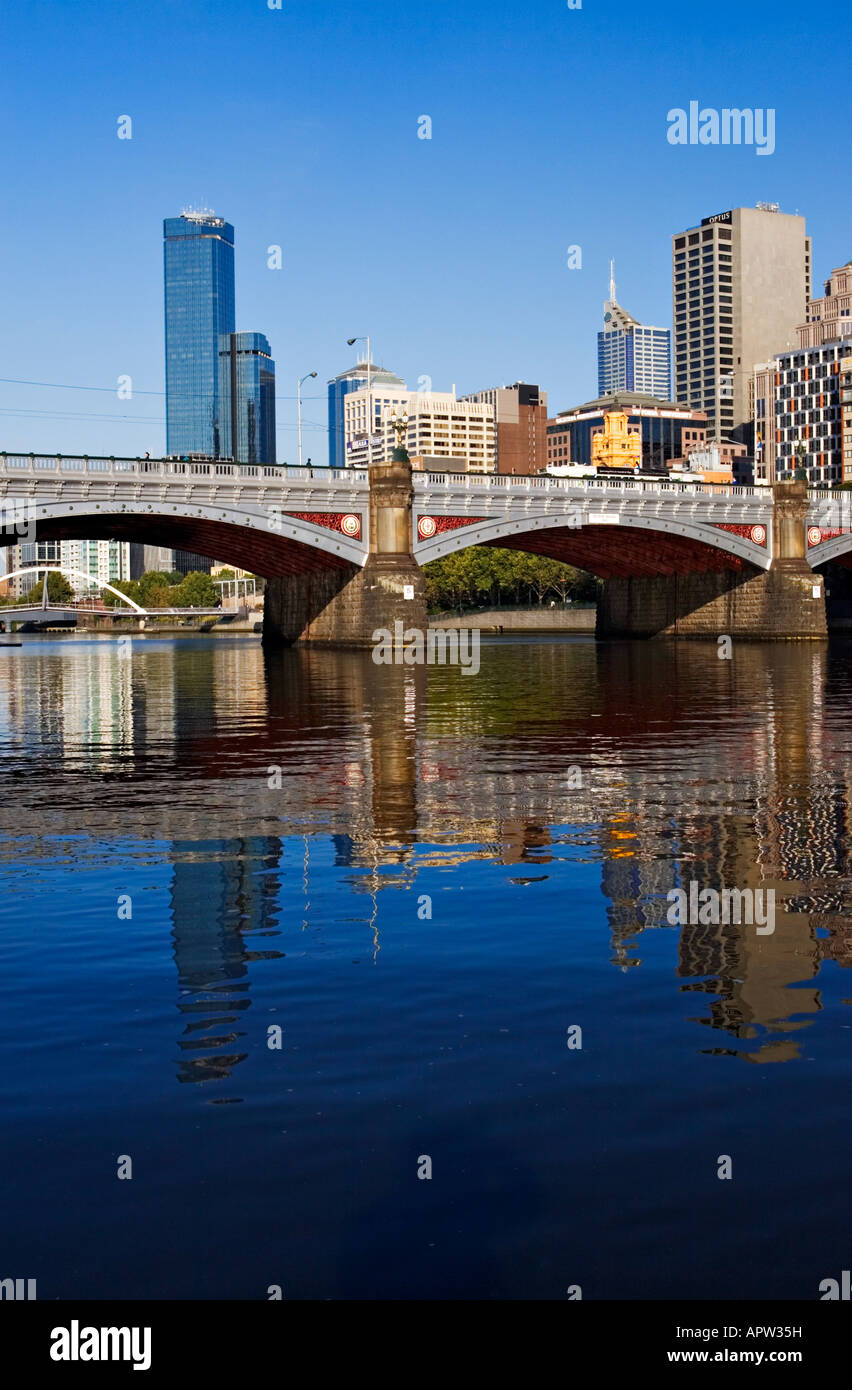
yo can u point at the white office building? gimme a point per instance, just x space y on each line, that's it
442 432
103 561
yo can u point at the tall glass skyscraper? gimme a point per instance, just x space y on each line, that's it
199 281
632 356
247 398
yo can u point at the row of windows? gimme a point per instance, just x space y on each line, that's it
710 254
723 276
695 313
799 362
707 234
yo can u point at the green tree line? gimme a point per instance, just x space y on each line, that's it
154 590
490 575
159 590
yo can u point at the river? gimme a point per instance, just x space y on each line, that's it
364 979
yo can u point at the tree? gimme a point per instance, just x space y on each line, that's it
154 590
130 587
58 589
498 575
197 590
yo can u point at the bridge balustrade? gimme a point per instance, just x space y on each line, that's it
177 468
425 482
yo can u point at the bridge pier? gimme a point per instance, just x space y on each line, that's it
785 602
344 607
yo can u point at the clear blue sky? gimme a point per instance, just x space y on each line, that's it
300 127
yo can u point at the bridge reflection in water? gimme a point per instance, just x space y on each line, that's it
731 773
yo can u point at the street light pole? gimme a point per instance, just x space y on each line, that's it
349 343
299 409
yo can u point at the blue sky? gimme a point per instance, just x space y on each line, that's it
300 127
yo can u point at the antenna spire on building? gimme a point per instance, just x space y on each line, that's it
612 282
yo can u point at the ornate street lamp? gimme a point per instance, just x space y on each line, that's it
306 377
800 471
399 421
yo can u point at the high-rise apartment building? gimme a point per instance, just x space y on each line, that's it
102 561
830 317
356 378
798 406
442 431
247 398
520 419
28 553
741 283
846 415
632 356
199 304
799 414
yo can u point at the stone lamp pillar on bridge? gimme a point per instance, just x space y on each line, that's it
343 607
795 594
784 602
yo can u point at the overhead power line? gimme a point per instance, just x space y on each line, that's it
112 390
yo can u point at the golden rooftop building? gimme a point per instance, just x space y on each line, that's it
616 443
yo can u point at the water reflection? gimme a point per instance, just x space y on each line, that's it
223 892
731 773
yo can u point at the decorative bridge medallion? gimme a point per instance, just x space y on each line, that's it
816 534
755 534
347 523
428 526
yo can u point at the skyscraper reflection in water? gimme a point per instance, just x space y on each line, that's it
223 893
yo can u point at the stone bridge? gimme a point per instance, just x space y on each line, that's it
342 550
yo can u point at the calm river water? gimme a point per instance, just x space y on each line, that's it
424 880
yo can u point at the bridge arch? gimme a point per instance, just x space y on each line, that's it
621 546
836 548
268 541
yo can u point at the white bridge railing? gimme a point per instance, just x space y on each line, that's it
71 466
473 482
15 465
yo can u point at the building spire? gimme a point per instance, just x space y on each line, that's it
612 282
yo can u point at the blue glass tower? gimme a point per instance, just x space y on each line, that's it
246 398
632 356
199 282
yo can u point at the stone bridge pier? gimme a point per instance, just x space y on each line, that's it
345 606
785 601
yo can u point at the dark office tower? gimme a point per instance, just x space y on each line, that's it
199 280
247 398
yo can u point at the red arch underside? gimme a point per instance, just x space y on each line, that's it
623 551
262 552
